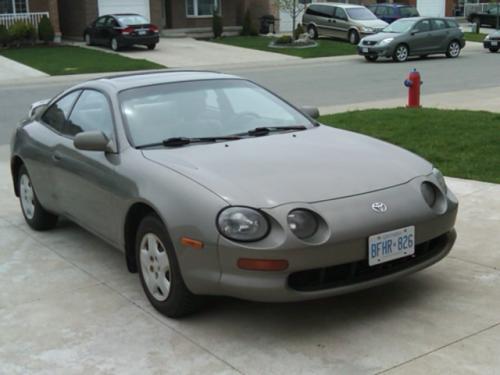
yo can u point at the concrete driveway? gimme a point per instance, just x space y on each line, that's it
68 306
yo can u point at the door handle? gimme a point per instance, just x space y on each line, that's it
56 156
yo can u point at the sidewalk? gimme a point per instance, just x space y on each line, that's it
11 70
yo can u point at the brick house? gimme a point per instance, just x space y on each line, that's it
178 17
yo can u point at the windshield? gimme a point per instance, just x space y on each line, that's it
132 20
400 26
211 108
408 12
360 14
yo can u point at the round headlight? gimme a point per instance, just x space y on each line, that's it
242 224
302 223
429 193
440 179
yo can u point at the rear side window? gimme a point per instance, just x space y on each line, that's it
101 21
408 12
58 113
452 23
423 26
340 13
439 24
132 20
91 112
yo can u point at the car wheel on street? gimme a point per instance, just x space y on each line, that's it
400 53
371 58
493 49
151 46
353 37
114 44
453 49
34 214
313 33
159 271
88 40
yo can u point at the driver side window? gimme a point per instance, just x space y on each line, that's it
58 113
422 26
340 14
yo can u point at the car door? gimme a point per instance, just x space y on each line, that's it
109 30
341 24
41 161
440 35
86 179
325 20
100 30
420 40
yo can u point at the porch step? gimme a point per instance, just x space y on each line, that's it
199 32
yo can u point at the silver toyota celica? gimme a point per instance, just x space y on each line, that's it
212 185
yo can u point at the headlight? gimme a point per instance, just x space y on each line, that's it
440 179
385 42
487 37
429 192
367 29
302 223
242 224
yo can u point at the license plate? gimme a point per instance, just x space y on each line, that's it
141 32
384 247
494 43
364 50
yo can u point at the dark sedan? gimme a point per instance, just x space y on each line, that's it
492 41
122 30
392 12
488 17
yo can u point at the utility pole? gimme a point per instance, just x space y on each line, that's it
294 19
498 14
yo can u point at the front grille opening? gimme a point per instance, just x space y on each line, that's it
357 272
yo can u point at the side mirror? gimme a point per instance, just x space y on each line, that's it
94 140
312 112
38 107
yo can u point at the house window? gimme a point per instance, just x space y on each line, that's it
201 8
14 6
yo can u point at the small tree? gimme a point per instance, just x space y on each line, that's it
4 36
248 28
293 8
299 31
45 30
217 26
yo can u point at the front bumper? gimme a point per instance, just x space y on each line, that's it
375 50
338 263
491 44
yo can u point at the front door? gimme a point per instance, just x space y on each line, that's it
421 38
341 26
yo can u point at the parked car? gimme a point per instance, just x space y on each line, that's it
487 18
122 30
392 12
419 36
344 21
492 41
212 185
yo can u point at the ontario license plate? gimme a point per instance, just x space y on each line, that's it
384 247
142 32
494 43
364 50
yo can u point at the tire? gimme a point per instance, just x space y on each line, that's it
115 46
312 31
371 58
35 215
493 49
353 37
159 271
88 39
151 46
401 53
453 49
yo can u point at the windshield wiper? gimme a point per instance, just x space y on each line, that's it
183 141
257 132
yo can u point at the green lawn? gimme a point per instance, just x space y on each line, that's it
474 37
60 60
462 144
326 47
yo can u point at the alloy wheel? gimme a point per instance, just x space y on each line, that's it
402 53
27 196
155 266
454 49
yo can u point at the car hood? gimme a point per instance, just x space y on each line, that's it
376 24
322 163
381 36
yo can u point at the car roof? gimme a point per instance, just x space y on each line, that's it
133 80
341 5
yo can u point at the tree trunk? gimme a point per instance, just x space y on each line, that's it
294 18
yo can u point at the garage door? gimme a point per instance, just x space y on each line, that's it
124 6
431 8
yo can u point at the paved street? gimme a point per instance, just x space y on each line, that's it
319 82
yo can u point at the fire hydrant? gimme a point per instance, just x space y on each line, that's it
413 83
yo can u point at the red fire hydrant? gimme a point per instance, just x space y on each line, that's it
413 83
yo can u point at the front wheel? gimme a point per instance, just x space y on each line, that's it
159 271
114 44
151 46
453 49
371 58
88 39
353 37
34 214
313 32
493 49
401 53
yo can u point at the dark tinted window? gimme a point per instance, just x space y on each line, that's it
111 22
360 13
101 21
423 26
57 114
439 24
91 112
408 12
320 10
132 20
452 23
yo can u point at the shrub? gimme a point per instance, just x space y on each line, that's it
4 36
45 30
217 26
299 31
21 32
284 39
249 28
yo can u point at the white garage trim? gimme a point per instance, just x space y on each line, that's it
431 8
124 6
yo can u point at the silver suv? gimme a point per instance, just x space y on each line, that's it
344 21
